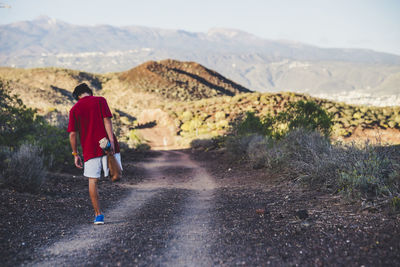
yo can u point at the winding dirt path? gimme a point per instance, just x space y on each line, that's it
189 235
181 214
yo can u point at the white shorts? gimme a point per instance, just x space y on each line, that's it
92 167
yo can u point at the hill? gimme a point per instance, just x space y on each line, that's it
180 80
163 80
354 75
185 99
48 88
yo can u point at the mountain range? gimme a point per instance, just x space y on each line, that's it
352 75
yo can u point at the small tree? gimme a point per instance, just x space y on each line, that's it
308 115
250 123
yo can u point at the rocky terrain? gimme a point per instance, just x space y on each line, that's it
180 208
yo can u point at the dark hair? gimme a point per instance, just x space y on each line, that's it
81 89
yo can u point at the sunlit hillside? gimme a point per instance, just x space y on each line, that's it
193 101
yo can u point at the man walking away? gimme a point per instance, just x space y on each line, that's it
91 118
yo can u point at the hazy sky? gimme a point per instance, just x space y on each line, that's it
373 24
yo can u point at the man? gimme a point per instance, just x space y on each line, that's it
91 118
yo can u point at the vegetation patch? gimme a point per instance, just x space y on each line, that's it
30 145
296 144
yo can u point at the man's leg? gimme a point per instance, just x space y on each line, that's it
94 195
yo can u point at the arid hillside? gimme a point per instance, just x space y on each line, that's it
180 80
48 88
188 99
169 79
351 122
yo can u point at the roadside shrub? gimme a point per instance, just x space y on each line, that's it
204 144
20 125
257 151
16 120
300 126
54 142
368 173
237 146
142 147
25 170
355 171
274 157
296 142
309 157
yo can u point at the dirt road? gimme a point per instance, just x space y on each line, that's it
199 210
164 220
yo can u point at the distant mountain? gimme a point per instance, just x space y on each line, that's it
263 65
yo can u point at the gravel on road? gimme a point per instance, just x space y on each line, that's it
192 208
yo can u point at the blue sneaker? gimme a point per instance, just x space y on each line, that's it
99 219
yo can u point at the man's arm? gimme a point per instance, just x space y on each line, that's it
109 130
74 145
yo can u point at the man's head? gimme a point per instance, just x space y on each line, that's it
81 89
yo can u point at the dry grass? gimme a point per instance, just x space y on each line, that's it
24 169
357 171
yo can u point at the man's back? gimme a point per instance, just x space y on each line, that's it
86 117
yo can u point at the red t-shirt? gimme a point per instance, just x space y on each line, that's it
86 117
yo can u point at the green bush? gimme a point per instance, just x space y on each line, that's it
54 142
308 115
308 156
24 168
16 120
257 138
20 125
250 123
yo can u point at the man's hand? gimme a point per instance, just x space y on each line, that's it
112 148
78 162
73 142
109 130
